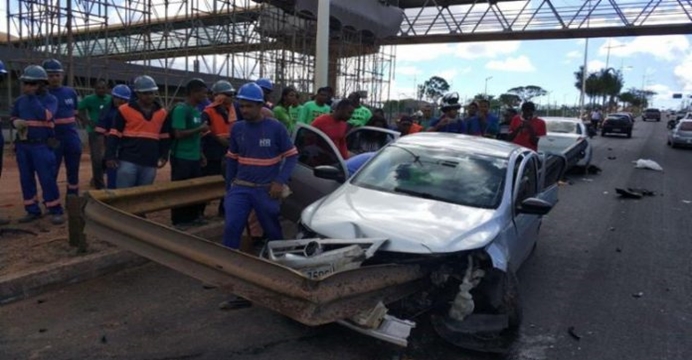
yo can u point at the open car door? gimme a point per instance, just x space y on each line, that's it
314 149
552 168
369 138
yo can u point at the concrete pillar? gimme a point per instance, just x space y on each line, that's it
322 45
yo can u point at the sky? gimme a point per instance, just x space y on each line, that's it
659 63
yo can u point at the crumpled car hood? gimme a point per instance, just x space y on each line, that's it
412 225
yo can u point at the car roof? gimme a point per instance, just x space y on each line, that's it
462 143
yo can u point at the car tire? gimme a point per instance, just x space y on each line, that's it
672 144
603 133
511 304
629 135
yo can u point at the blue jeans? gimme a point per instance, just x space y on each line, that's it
131 175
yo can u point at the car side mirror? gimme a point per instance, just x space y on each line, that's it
534 206
328 172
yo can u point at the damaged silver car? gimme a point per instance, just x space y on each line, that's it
466 209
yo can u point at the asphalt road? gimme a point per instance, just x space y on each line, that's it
617 271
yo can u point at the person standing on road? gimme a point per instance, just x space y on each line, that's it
187 159
449 122
483 123
32 116
120 95
596 117
90 109
69 144
361 114
526 129
220 116
139 140
3 72
261 157
285 110
335 125
313 109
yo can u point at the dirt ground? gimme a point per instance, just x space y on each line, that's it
27 246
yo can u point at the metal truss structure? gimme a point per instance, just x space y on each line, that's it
247 39
444 21
237 39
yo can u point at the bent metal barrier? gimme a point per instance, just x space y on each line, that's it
111 215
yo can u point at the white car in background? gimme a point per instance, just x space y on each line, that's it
681 134
569 137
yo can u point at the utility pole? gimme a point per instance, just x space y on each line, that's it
485 92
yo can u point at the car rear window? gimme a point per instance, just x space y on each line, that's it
685 126
565 127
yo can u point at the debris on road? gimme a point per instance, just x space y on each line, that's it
40 301
573 333
611 229
587 179
593 169
103 339
638 295
618 250
644 192
42 330
612 157
627 194
647 164
687 201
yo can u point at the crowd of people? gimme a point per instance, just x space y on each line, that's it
216 130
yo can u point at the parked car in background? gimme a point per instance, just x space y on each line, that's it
651 114
617 124
569 137
681 134
680 114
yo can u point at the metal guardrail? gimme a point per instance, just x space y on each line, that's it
110 215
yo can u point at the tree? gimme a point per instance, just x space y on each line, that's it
433 89
510 100
611 84
637 97
526 93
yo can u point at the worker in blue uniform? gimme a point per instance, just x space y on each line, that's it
32 116
70 146
120 95
260 159
3 72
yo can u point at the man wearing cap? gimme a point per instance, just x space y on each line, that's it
120 95
139 140
187 159
32 116
449 122
361 114
69 144
220 116
525 129
90 109
261 157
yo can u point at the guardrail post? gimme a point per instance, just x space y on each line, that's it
75 222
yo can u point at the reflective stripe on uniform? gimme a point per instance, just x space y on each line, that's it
65 121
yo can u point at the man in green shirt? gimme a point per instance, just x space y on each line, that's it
89 112
361 115
186 152
312 109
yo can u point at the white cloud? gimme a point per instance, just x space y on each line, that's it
594 66
408 70
574 54
668 47
448 74
517 64
478 50
683 73
581 42
427 52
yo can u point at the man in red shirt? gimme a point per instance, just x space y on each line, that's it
525 129
335 125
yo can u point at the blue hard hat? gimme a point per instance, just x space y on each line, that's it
145 83
122 92
52 66
251 92
34 73
2 68
265 83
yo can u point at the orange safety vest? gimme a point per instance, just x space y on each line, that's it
137 126
219 126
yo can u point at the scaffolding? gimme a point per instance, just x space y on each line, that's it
239 40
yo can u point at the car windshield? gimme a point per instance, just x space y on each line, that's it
437 174
566 127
